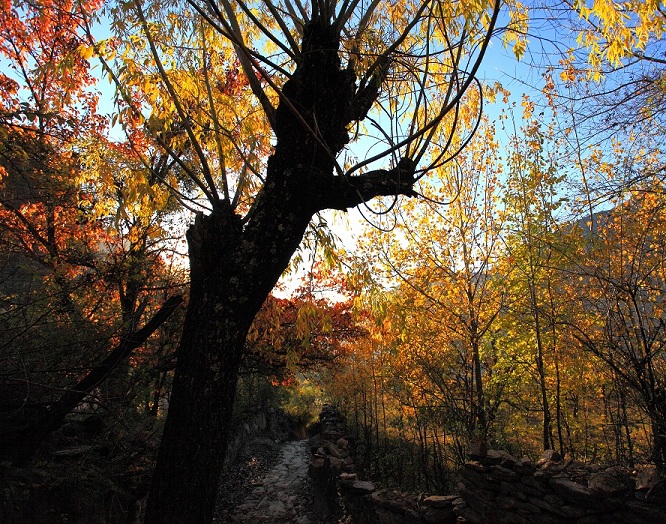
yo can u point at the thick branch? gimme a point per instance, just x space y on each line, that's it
245 57
337 192
74 396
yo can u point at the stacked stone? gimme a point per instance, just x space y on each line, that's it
499 488
495 488
332 467
330 452
252 425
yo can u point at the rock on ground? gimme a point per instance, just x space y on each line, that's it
256 458
285 493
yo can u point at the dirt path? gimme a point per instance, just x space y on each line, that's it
285 494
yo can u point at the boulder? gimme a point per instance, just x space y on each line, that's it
389 500
333 450
335 464
500 457
315 468
362 487
524 466
314 443
516 490
440 501
550 455
439 516
501 473
647 477
574 492
606 484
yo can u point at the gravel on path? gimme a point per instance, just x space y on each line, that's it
284 494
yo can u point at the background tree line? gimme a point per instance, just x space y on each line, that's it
503 313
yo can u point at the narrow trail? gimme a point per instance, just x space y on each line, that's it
285 494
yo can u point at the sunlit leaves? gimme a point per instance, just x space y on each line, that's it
410 52
302 333
181 83
515 36
436 306
620 314
619 29
47 78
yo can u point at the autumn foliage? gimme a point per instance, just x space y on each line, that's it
81 270
510 294
507 316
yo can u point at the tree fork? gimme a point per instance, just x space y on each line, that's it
234 267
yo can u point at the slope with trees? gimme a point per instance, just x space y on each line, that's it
79 286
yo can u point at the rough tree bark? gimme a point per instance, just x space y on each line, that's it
235 265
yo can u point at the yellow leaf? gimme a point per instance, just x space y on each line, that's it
86 51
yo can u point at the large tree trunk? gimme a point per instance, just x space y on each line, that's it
229 283
234 266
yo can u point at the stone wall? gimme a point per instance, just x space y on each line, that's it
496 488
333 469
500 488
251 424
